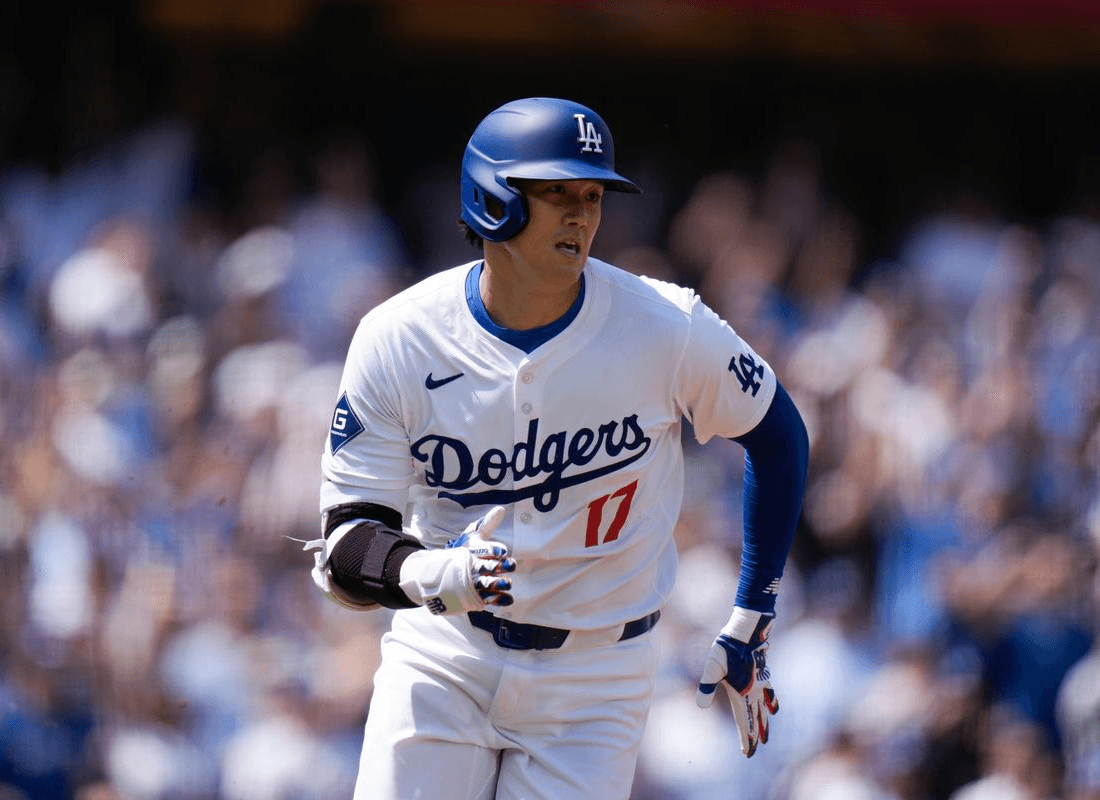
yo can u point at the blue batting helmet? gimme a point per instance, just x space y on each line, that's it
541 138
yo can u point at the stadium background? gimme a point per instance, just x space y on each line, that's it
896 201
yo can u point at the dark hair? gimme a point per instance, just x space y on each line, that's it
471 236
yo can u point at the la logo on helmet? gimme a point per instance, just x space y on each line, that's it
589 136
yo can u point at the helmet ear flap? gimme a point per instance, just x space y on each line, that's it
496 212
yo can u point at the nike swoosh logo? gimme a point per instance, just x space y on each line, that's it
432 383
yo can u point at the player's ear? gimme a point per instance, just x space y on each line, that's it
494 207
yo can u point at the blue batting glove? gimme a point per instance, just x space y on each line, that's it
736 660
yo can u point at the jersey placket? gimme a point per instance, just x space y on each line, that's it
527 400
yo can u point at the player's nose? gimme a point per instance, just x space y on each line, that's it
576 212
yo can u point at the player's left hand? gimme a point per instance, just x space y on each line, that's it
737 660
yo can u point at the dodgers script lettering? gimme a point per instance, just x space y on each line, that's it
451 466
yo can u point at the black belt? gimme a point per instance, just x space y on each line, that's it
521 636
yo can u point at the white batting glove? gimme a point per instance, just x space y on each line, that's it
464 576
736 660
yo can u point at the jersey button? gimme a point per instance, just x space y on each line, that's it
526 408
528 378
525 517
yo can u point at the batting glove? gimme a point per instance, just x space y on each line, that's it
736 659
464 576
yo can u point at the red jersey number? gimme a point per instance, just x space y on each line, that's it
625 496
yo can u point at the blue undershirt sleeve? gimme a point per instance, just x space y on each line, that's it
776 460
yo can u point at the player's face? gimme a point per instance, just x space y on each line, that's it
562 220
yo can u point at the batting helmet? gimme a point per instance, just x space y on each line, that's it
541 138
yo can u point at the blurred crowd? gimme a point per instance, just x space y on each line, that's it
167 373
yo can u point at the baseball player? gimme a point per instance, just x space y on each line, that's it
504 468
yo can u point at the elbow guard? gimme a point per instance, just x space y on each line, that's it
358 562
365 564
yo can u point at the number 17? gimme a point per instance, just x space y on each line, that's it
595 515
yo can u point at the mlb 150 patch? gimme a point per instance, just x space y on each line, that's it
345 425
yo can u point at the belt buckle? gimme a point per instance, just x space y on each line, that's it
512 637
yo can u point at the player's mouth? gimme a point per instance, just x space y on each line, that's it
569 247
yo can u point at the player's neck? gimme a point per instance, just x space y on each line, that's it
519 303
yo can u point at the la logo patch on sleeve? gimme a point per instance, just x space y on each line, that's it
345 425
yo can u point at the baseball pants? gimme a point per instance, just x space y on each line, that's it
454 716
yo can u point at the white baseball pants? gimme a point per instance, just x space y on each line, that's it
454 716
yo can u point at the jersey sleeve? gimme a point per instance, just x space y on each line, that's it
723 387
366 454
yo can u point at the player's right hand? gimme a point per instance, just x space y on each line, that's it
737 661
467 575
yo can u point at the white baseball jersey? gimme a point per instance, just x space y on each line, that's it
580 440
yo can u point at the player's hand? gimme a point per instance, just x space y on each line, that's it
467 575
736 660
